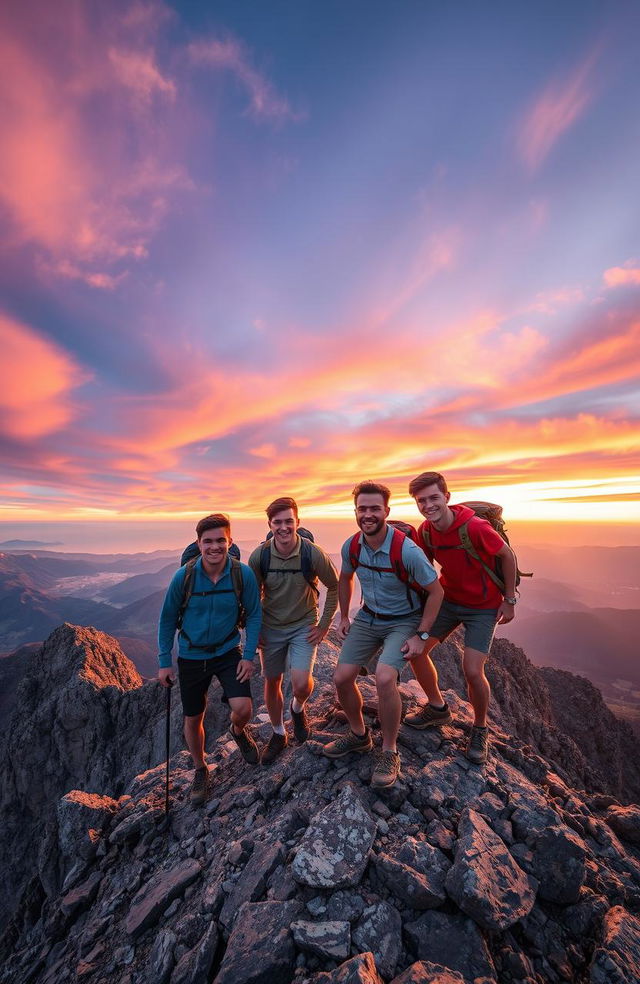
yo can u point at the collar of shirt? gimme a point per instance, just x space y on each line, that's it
294 552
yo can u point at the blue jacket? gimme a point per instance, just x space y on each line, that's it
209 620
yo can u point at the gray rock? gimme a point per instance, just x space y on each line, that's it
485 881
195 965
161 960
81 896
423 972
252 883
154 897
379 930
329 939
625 822
410 886
559 865
359 970
345 905
453 941
334 850
261 948
616 959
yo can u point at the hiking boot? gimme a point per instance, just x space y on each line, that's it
199 787
247 746
276 744
386 770
478 747
429 717
301 729
348 743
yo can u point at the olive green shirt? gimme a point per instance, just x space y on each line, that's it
289 598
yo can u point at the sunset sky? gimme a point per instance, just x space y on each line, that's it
262 248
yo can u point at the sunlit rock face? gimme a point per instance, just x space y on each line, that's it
522 871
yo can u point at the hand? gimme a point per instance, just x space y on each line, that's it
413 647
343 627
506 613
166 676
245 670
315 635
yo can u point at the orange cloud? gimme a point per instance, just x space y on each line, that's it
553 113
36 378
622 276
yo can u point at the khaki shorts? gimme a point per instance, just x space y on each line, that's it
286 644
367 635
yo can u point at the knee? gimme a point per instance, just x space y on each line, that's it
386 680
343 678
301 690
474 673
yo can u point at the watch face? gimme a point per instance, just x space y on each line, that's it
424 636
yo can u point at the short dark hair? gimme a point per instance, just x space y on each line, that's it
213 522
371 488
427 478
279 505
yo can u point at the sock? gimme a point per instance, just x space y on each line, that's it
296 706
439 707
278 729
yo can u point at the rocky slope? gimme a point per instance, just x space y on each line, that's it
525 871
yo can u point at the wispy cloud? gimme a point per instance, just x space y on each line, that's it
555 111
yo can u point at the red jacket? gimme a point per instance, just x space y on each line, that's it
463 579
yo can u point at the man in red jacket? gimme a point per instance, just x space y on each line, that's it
471 599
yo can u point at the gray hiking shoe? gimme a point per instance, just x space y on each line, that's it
301 729
478 747
348 743
276 744
386 769
247 746
199 787
428 717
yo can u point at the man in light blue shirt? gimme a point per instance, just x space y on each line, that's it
401 597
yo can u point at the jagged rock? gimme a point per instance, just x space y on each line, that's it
195 965
420 891
240 851
334 850
484 880
453 941
161 960
252 884
359 970
451 779
154 897
559 865
329 939
617 957
379 930
423 972
261 948
625 822
82 895
345 905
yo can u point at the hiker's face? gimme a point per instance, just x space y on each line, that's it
283 526
214 546
432 503
371 512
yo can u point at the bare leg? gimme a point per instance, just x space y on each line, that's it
349 696
241 711
302 685
389 705
479 689
274 700
194 736
426 674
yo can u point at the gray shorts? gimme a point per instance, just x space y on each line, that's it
367 635
479 625
278 644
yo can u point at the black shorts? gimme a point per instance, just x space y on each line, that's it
195 675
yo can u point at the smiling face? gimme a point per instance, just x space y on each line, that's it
371 513
214 547
433 504
283 525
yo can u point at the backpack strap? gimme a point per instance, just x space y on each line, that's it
187 590
237 586
466 543
306 563
354 549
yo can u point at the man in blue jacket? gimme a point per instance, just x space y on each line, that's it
218 599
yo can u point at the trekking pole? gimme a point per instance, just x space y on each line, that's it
168 737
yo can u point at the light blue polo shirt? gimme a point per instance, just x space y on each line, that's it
382 591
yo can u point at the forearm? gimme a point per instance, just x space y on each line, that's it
431 606
330 605
509 571
345 591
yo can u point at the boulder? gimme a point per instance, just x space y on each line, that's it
154 897
379 930
261 948
334 850
330 939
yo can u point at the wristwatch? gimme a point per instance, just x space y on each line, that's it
511 601
423 635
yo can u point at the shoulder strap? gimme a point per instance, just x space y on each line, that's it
265 560
306 564
238 587
354 550
187 589
467 545
395 556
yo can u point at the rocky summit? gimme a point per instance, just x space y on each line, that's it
523 871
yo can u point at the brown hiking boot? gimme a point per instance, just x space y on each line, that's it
301 729
276 744
428 717
199 787
478 747
348 743
386 770
247 746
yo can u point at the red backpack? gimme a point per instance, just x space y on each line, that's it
400 531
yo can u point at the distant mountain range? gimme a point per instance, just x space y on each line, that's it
27 544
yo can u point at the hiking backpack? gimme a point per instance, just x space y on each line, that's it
188 592
400 532
492 513
306 559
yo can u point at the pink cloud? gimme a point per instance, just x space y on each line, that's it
36 379
553 113
230 54
622 276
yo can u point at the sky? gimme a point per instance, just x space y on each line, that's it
250 249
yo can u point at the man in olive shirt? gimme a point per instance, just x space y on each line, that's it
287 568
